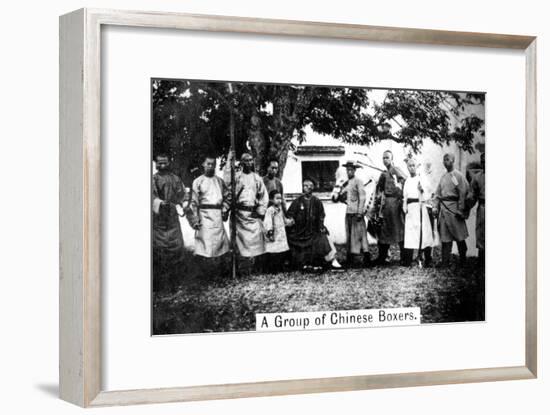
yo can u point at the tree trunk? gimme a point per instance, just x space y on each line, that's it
258 145
279 148
288 106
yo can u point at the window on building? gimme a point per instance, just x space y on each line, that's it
322 173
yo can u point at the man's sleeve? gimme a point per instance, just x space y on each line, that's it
321 212
462 192
381 183
401 177
291 212
262 198
437 195
268 220
362 196
405 196
180 191
226 196
193 213
379 192
287 220
156 199
475 191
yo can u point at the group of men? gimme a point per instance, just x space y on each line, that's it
404 213
208 206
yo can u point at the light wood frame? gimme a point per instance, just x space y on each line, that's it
80 206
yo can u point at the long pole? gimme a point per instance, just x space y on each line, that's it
420 200
366 164
232 222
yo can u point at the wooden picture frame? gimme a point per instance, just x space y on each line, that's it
80 206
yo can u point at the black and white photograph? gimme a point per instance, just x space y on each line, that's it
282 198
266 208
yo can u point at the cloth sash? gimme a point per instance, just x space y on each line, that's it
209 206
246 208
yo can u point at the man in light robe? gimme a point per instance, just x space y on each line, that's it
478 196
389 201
251 199
168 193
452 211
210 208
272 182
418 227
308 239
354 195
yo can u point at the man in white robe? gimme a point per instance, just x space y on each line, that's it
210 208
418 228
251 201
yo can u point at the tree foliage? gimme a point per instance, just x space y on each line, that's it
191 119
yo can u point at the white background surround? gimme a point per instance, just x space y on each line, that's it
29 266
132 56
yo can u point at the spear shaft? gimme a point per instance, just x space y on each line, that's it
232 222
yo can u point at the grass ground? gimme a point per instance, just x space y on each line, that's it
206 302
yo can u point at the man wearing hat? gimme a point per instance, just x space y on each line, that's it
354 195
389 191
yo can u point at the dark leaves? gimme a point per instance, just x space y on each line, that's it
191 118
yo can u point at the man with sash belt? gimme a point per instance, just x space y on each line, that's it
209 209
451 205
418 227
389 205
168 192
478 196
251 199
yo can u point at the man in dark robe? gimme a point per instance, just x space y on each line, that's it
389 201
307 239
452 211
168 192
478 196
